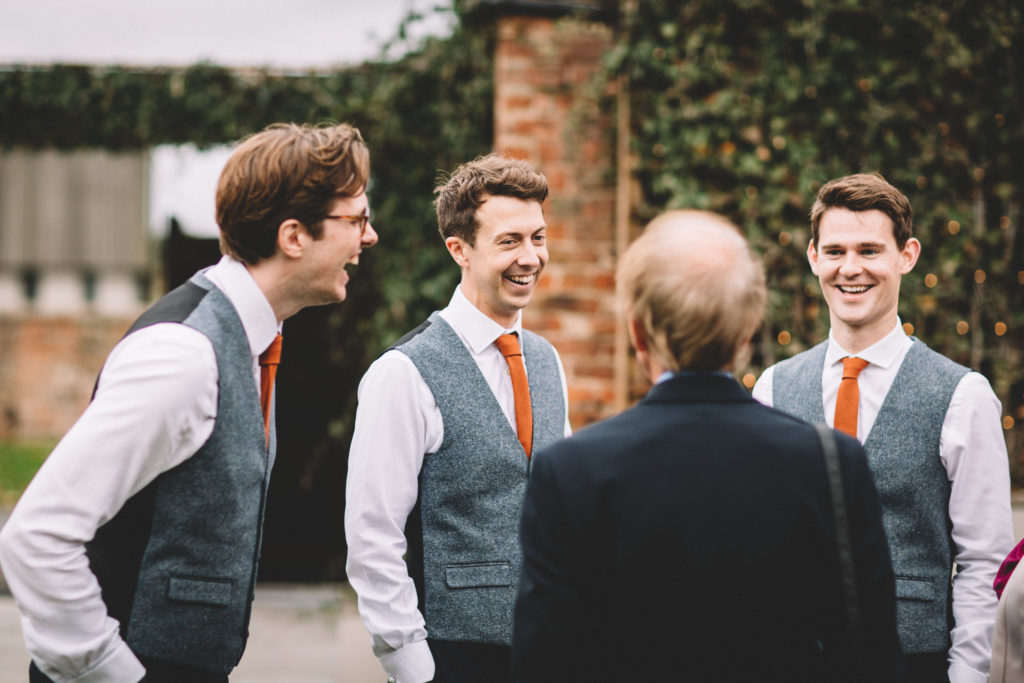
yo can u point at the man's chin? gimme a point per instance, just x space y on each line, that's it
518 303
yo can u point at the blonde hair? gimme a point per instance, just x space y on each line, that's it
692 283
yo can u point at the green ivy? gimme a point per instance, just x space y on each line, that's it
746 107
421 115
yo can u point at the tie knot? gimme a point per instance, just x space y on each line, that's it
508 344
852 367
272 356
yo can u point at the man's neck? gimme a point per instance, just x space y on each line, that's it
856 339
507 321
267 275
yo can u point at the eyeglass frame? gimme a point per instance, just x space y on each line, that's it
362 220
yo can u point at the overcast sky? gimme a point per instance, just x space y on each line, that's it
290 34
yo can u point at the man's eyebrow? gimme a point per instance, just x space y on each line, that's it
516 233
859 245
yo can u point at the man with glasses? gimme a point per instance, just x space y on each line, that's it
133 552
447 420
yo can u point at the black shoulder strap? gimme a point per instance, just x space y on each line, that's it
835 479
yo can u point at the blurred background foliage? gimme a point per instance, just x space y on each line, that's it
421 115
744 107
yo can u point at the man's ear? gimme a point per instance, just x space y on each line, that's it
457 248
647 360
909 255
812 256
637 334
291 238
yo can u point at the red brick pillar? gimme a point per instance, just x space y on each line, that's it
48 370
546 113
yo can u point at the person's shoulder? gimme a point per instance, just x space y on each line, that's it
391 359
926 365
602 436
779 431
801 357
939 359
412 334
166 341
530 336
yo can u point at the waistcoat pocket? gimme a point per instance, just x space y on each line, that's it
914 588
214 592
478 575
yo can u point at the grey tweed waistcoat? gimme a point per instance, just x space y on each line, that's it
903 453
464 553
177 564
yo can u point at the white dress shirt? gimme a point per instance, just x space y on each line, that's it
155 406
973 451
397 423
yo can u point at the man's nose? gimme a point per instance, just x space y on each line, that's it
850 264
369 236
528 255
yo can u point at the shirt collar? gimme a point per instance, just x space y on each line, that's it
668 374
477 329
882 353
257 316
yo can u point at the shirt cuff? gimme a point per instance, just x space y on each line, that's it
120 665
412 663
961 673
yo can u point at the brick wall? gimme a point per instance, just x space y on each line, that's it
543 70
545 113
47 370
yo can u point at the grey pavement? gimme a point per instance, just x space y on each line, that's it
298 634
308 633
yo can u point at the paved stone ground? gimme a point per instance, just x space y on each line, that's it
298 634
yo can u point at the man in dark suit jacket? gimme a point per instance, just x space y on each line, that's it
691 537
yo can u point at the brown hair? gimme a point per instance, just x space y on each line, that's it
286 171
864 192
694 286
468 187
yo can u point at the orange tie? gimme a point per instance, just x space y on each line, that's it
848 397
508 344
269 361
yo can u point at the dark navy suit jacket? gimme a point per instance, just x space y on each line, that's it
691 539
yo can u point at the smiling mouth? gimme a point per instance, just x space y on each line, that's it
354 260
853 289
521 279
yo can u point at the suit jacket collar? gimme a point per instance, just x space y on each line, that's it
698 387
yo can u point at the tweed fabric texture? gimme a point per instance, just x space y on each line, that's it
464 539
903 454
181 581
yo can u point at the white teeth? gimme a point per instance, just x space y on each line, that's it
354 260
521 279
849 289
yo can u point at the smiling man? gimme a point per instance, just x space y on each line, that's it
930 427
447 420
133 553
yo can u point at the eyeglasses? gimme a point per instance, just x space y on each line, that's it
361 220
